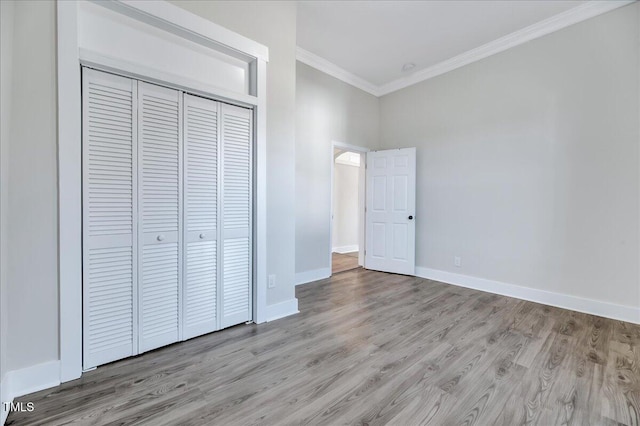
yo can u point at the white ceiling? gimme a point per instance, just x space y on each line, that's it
372 40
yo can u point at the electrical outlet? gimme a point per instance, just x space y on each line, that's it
272 281
457 261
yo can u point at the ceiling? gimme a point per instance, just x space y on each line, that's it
370 41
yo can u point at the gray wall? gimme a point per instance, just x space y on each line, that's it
6 53
32 272
326 110
528 162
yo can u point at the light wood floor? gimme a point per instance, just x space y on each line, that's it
344 262
374 348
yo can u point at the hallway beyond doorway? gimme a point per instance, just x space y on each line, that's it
344 262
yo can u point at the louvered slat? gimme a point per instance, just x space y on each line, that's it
110 293
108 145
159 293
200 305
236 221
201 216
236 278
159 153
160 159
201 173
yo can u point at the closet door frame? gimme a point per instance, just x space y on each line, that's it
71 54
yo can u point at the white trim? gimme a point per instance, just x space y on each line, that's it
260 197
346 249
562 20
334 70
565 301
151 75
532 32
27 380
166 17
313 275
282 309
33 379
349 147
69 193
179 20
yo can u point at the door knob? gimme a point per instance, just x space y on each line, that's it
160 237
410 217
202 236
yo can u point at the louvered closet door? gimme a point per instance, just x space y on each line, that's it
109 249
236 146
200 293
160 215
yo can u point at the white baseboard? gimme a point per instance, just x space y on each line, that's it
574 303
33 379
346 249
313 275
27 380
282 309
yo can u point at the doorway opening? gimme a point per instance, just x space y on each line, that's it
347 207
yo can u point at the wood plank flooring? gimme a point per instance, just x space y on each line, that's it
373 348
343 262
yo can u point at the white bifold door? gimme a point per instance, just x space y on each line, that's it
201 273
159 216
390 211
167 216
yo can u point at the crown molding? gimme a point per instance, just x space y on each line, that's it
562 20
334 70
557 22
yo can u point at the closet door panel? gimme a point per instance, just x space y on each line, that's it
160 215
200 293
108 192
236 138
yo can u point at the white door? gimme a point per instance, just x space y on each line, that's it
159 215
236 136
200 309
390 211
109 250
